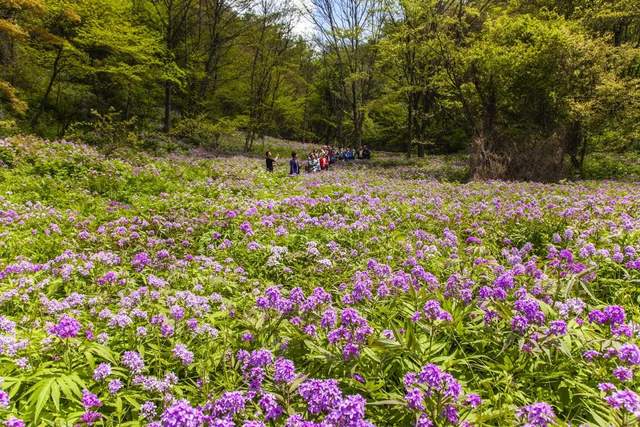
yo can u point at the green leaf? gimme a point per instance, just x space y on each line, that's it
41 396
55 394
386 402
69 388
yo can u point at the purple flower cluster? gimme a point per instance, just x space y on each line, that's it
433 311
612 315
182 414
14 422
352 333
102 371
320 395
67 327
133 361
349 330
625 400
140 261
432 390
538 414
4 399
181 352
90 400
325 397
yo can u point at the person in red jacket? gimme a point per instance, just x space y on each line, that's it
323 162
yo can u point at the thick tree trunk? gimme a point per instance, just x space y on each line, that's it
486 157
210 70
583 153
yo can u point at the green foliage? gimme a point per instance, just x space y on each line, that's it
106 130
423 76
201 131
612 166
535 69
8 127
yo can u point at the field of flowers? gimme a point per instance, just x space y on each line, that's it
180 291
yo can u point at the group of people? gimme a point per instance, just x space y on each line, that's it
320 159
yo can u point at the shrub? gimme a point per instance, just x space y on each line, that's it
106 130
201 131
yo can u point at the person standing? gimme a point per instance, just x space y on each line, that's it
323 161
270 161
294 166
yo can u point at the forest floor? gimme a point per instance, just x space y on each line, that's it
450 167
443 167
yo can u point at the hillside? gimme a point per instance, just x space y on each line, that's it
183 290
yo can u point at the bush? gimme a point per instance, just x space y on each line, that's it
106 131
8 127
6 154
608 166
202 132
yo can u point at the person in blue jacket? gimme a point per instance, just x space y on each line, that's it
294 166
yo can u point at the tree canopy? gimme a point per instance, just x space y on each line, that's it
505 80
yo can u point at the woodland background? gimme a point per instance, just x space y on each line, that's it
529 89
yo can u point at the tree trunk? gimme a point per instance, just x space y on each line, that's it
418 123
486 161
210 68
409 128
583 153
355 115
167 106
45 97
574 143
248 141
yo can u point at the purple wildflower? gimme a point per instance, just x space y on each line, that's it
67 327
284 370
415 399
148 410
90 417
14 422
320 395
270 407
181 352
182 414
538 414
102 371
114 386
623 374
133 361
473 400
90 400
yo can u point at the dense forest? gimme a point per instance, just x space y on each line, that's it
506 80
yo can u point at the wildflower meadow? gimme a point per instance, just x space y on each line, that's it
187 291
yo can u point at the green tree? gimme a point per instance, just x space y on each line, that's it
270 47
13 16
348 31
528 77
171 19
